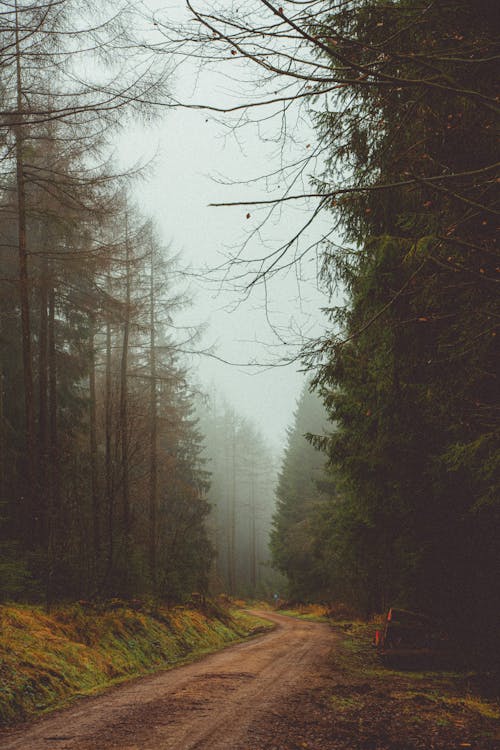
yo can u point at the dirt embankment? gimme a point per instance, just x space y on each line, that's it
81 649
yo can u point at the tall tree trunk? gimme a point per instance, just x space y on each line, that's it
43 410
153 445
54 505
232 514
3 444
218 575
253 532
109 463
124 414
24 296
94 481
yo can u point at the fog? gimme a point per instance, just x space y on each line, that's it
193 161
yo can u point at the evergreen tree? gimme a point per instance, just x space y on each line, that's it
404 97
410 380
303 488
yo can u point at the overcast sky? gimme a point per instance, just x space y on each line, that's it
192 154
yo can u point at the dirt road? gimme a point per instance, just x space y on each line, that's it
232 700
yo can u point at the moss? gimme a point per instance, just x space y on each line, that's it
46 660
347 705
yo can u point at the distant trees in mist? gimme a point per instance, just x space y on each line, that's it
242 467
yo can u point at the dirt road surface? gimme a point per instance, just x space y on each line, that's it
237 699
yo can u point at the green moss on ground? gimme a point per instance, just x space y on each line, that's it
45 660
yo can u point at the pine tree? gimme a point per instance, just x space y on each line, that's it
410 379
303 488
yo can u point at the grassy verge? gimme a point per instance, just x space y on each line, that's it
414 709
311 612
45 660
358 703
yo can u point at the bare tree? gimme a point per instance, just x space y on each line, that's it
304 67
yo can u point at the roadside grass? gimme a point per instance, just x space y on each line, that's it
79 649
368 705
406 708
311 612
250 624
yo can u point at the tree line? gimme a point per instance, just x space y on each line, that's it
102 481
402 98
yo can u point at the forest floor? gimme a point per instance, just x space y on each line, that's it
357 703
303 685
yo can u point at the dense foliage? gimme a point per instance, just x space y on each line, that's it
95 405
411 380
403 97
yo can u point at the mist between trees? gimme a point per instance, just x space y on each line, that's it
243 478
104 474
405 163
104 470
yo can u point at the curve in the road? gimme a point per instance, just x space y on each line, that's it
218 703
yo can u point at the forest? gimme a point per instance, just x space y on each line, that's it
104 470
119 475
408 507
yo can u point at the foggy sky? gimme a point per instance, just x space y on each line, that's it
189 153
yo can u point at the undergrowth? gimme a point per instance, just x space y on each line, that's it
368 704
434 708
311 612
80 649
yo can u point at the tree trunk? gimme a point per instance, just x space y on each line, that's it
153 455
43 415
24 296
253 533
94 482
124 415
232 515
110 492
54 505
3 446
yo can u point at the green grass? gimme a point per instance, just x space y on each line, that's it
46 660
310 612
439 697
